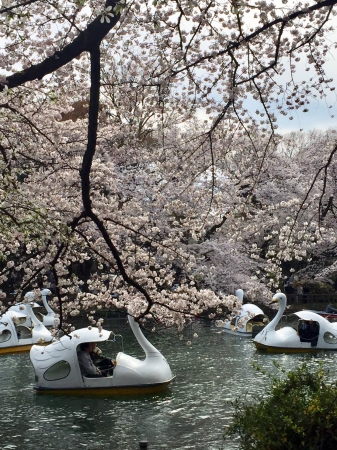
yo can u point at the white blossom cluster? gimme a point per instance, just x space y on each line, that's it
171 211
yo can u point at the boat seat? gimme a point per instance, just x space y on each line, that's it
254 325
24 332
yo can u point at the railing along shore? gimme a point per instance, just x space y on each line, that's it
293 299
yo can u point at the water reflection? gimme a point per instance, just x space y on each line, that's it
191 414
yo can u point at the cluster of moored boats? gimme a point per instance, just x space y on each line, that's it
55 361
57 368
20 327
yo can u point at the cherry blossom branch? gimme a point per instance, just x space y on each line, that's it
4 155
312 36
325 168
87 40
28 121
129 280
265 69
234 45
210 232
19 5
137 232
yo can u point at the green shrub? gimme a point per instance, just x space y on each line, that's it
298 412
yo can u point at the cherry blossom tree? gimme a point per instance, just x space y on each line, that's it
104 155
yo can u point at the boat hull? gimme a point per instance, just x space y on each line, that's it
272 349
15 349
20 348
238 333
111 390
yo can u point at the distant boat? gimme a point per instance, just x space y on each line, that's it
48 320
15 336
248 322
313 332
21 308
57 369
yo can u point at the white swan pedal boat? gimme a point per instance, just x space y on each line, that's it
291 340
249 320
57 369
17 337
49 320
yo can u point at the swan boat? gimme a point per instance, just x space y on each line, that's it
248 322
57 369
48 320
16 336
322 334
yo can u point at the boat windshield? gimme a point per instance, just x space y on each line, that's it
116 340
19 320
23 332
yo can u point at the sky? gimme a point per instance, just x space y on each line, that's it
318 117
322 113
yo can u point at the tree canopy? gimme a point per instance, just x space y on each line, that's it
142 137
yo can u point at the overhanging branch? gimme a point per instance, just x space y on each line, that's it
87 40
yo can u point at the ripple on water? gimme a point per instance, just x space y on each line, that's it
191 414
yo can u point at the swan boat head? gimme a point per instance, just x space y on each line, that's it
239 293
49 320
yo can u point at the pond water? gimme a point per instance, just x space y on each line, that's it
192 414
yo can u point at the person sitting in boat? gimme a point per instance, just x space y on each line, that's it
92 362
105 364
87 366
305 331
330 309
314 332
